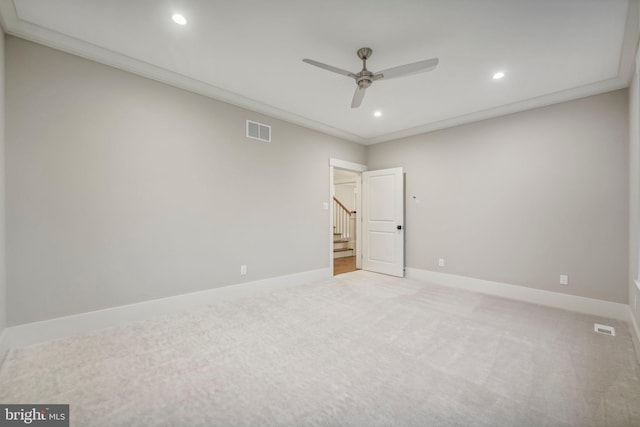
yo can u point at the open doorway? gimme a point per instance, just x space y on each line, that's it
346 185
378 237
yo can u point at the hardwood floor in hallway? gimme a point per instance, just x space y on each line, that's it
344 265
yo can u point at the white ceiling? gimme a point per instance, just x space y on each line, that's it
249 53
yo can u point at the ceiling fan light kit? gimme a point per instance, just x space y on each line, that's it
365 78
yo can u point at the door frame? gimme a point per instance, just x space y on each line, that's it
354 167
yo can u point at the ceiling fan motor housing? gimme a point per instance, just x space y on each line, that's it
364 78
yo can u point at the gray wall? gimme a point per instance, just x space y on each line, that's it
345 193
3 299
523 198
121 189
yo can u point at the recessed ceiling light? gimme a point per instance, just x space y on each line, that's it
179 19
377 113
498 75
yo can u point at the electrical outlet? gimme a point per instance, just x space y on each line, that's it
441 262
243 270
564 279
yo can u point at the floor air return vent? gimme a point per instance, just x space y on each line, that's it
604 329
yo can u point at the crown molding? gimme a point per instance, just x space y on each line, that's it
504 110
13 25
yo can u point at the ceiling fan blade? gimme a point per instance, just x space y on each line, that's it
357 97
330 68
404 70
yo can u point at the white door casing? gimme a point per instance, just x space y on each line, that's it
383 221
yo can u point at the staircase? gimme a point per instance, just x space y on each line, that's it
343 230
341 247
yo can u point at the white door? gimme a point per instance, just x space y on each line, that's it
383 221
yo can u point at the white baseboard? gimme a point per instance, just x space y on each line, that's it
596 307
635 333
61 327
4 348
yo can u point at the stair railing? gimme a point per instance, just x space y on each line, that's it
341 219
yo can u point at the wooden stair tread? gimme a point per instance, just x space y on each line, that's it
340 240
342 249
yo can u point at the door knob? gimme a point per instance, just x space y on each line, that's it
399 227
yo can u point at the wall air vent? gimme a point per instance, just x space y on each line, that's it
258 131
604 329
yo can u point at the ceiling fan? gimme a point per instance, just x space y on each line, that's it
365 78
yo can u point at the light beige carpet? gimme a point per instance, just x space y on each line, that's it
359 350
